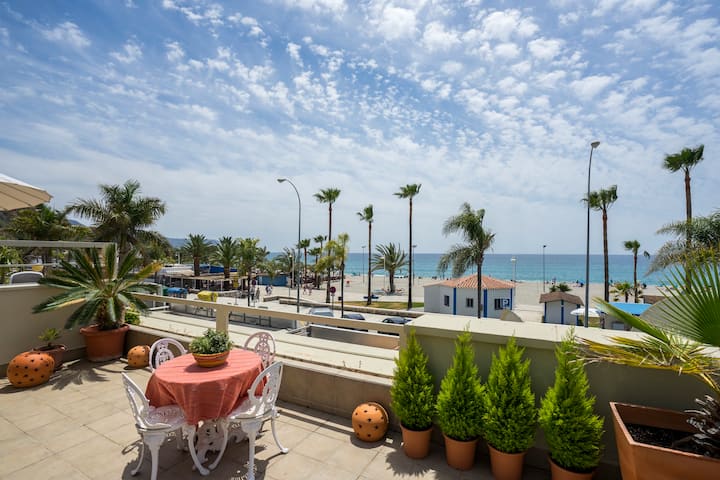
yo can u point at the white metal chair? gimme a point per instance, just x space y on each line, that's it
160 351
153 424
253 411
263 344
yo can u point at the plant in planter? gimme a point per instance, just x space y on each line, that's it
212 348
49 335
679 334
460 405
572 430
101 291
413 398
510 416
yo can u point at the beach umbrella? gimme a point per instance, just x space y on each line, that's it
15 194
592 312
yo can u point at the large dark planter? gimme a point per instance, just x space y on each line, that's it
506 466
416 443
640 461
55 351
460 454
104 345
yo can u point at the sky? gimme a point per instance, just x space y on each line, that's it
493 103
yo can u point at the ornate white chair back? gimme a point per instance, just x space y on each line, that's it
161 352
263 344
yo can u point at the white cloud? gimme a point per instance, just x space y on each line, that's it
545 48
436 37
550 79
395 22
131 52
175 53
587 87
507 50
336 7
294 50
502 25
68 33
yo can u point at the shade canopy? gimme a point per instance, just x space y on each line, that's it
592 312
15 194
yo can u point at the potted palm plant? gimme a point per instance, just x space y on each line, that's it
680 333
212 348
572 430
510 416
55 350
413 398
460 406
101 291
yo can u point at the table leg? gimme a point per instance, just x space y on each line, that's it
222 425
189 431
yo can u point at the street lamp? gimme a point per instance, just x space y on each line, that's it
363 264
513 260
297 274
412 255
543 262
593 146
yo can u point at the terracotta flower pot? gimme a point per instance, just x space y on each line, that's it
56 352
209 360
559 473
640 460
506 466
416 443
459 454
104 345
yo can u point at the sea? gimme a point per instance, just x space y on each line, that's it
528 267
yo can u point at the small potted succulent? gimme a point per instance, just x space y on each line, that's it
55 350
212 348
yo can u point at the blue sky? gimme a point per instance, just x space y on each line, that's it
493 103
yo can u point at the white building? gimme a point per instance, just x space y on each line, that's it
558 306
458 296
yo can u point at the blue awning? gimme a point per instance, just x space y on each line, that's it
636 309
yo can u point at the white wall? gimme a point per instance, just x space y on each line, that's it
554 312
434 298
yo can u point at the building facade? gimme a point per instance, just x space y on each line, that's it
458 296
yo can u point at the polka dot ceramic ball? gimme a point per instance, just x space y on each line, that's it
139 356
370 422
30 368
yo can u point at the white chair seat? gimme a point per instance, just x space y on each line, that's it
160 418
246 410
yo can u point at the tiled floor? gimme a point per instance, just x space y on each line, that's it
79 426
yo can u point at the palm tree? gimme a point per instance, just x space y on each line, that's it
705 243
250 255
318 251
560 287
122 215
478 239
336 252
226 252
601 200
389 258
409 191
304 244
623 289
329 196
634 246
199 248
685 161
367 216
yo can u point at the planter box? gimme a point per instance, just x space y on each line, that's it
640 461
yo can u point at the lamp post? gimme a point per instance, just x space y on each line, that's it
412 254
593 146
297 274
363 264
543 263
513 260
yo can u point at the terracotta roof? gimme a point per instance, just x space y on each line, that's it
555 296
488 283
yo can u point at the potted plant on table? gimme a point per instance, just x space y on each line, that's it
55 350
572 430
680 333
460 405
101 290
212 348
510 414
413 398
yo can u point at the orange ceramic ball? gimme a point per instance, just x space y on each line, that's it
370 422
30 368
139 356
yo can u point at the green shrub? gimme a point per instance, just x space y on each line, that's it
572 430
412 396
212 341
132 316
460 400
510 417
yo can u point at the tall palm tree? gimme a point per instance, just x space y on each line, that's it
318 251
685 161
226 252
633 246
122 215
250 255
478 239
705 243
601 200
409 191
304 244
199 248
367 216
329 196
390 258
622 289
336 252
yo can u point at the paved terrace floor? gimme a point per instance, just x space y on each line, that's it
79 426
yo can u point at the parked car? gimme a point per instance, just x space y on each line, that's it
353 316
322 311
396 321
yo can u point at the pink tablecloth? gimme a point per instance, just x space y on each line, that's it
204 393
